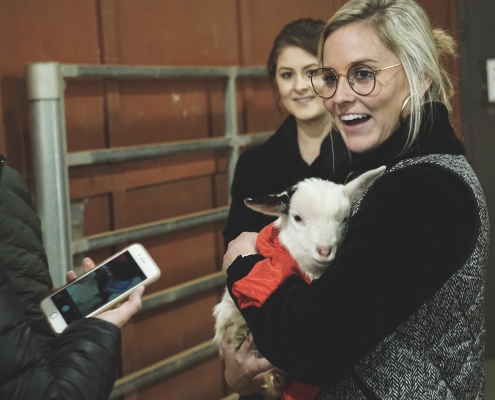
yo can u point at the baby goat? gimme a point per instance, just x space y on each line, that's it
312 218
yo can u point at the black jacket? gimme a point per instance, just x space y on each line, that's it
83 363
22 253
271 168
413 230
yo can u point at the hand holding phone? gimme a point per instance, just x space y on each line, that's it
102 288
123 311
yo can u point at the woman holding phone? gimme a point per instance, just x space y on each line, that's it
83 362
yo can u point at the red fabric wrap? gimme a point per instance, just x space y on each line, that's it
300 391
265 277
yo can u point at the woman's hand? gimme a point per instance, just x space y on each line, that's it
244 372
243 244
123 311
88 265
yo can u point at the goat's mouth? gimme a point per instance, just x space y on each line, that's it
321 264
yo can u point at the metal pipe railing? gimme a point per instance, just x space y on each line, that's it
128 153
127 71
51 163
164 368
138 232
179 292
45 95
51 160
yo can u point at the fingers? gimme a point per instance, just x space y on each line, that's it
245 243
244 372
71 276
134 304
255 365
88 264
120 315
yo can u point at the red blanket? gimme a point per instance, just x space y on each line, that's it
265 277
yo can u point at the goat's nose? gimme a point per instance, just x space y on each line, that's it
324 250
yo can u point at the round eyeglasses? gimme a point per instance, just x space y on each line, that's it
361 79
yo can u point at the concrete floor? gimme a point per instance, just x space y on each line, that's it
490 379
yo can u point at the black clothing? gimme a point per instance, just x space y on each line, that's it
414 229
273 167
22 253
83 365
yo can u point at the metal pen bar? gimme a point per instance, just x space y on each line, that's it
139 152
159 150
231 124
179 292
164 368
127 71
45 94
142 231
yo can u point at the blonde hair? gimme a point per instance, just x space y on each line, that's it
404 28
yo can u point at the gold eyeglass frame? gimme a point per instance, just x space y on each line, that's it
374 70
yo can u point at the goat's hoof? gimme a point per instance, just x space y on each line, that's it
275 383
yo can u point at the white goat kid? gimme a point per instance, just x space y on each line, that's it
312 218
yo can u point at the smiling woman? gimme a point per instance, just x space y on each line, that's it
368 119
294 67
399 312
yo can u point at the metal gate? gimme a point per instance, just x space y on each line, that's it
46 84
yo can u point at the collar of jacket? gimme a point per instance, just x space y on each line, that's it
332 150
436 136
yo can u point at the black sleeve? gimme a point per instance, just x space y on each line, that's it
250 180
414 229
22 253
83 365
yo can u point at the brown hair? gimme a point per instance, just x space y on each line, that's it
303 33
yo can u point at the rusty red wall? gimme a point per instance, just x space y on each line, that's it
116 113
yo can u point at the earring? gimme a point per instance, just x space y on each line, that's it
334 127
404 106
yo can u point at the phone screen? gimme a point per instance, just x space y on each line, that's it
96 289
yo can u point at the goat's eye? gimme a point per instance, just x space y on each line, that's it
297 218
345 219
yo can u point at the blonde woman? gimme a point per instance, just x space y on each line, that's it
399 313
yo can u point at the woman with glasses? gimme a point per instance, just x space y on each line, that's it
399 312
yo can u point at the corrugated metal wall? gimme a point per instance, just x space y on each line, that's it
109 113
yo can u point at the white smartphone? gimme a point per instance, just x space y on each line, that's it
100 289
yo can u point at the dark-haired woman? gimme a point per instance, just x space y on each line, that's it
300 148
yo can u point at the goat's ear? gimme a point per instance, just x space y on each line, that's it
272 204
358 186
